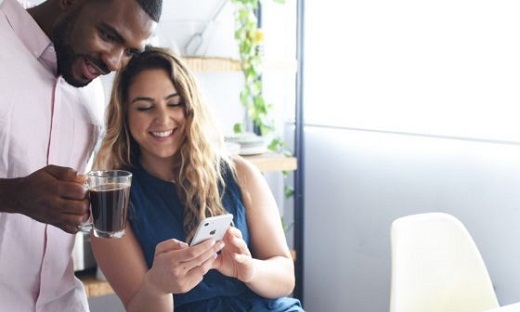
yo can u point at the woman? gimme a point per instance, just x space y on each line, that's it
159 129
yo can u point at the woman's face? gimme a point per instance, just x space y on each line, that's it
156 115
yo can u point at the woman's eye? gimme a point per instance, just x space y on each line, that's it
175 104
142 109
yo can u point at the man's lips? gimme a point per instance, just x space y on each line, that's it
91 70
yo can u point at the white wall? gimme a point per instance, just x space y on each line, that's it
183 21
358 182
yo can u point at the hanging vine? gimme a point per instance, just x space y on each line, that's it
250 39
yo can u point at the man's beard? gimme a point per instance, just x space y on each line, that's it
64 52
66 56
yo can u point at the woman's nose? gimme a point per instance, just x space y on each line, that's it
162 115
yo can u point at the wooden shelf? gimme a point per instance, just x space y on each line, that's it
273 162
94 287
212 64
222 64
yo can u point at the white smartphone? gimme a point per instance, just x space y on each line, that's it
212 227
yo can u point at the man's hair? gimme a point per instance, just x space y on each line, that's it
152 7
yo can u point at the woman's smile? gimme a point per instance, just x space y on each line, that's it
162 134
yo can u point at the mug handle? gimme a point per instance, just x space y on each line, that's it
88 225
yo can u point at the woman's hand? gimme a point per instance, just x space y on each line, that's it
177 268
235 259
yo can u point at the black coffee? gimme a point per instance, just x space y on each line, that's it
109 206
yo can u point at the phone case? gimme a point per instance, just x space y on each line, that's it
212 227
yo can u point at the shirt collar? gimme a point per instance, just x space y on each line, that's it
30 33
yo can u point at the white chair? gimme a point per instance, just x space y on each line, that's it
436 266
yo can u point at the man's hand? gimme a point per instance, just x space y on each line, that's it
53 195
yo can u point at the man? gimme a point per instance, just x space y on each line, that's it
51 109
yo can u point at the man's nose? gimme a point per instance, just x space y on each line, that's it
114 59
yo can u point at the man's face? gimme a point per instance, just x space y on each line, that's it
97 37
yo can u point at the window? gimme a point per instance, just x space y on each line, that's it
447 68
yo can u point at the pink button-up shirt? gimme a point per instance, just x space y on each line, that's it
43 120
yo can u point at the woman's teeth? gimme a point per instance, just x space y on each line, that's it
162 134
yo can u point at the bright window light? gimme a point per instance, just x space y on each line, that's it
447 68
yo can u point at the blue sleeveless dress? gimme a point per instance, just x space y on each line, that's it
156 214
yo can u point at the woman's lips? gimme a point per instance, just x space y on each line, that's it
162 134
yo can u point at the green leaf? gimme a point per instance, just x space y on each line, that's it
273 146
288 191
238 128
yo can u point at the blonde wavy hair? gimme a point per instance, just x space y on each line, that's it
199 163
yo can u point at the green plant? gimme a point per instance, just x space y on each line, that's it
250 38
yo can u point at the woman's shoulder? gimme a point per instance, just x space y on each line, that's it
243 168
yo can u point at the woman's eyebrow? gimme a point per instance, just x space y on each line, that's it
142 98
149 99
171 96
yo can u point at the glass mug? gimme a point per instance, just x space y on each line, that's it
109 192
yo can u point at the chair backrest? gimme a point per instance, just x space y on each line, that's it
436 266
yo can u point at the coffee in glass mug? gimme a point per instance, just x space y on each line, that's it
109 192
